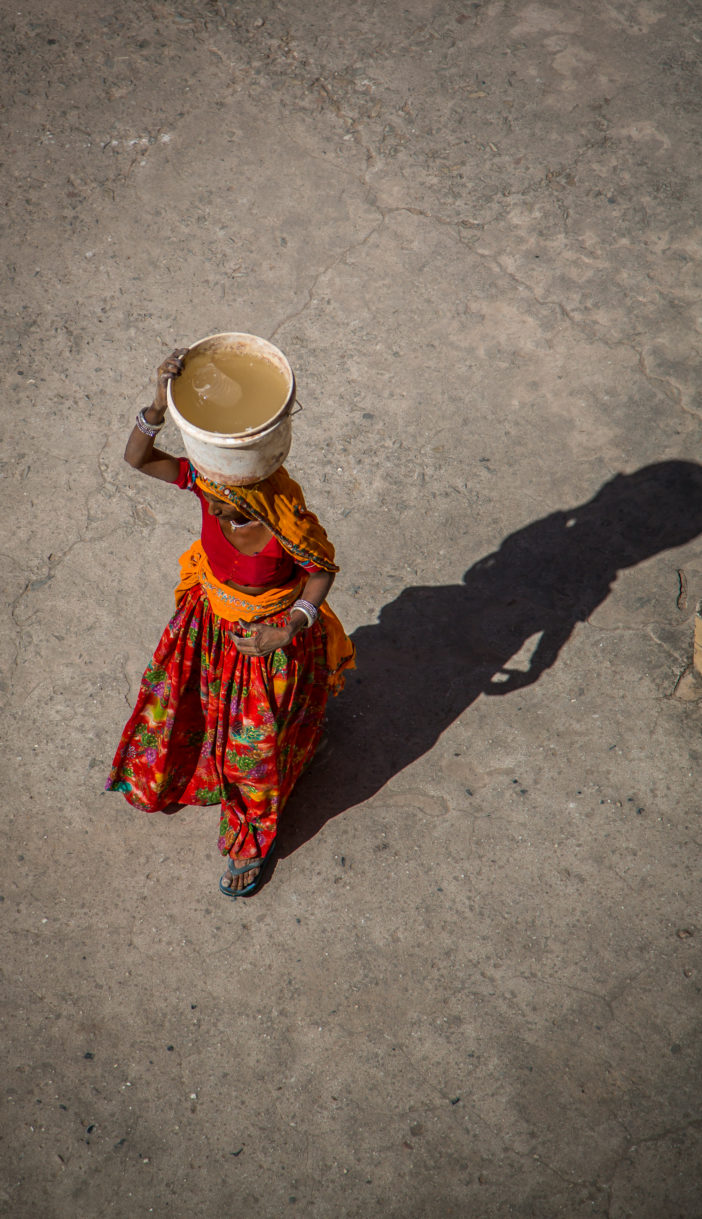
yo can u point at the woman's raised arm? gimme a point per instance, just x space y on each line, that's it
140 452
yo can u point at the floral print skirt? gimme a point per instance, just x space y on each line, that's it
212 726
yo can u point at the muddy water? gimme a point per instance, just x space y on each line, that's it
228 391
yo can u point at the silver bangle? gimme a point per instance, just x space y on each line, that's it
149 429
309 610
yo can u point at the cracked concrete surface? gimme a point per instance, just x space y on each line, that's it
472 985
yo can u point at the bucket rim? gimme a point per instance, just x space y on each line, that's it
235 439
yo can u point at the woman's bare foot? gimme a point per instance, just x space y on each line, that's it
242 879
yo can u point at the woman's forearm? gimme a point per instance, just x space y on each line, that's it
140 452
315 591
140 447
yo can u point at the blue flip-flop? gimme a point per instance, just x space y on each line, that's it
256 883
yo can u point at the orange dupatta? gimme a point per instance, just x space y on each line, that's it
278 503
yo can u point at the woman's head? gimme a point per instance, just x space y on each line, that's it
225 511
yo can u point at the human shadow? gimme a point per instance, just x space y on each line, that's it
436 648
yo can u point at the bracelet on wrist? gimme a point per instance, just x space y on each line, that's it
149 429
309 610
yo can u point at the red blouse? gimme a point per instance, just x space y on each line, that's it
272 565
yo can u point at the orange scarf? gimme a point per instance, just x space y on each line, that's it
278 503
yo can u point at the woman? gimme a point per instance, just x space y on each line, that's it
230 709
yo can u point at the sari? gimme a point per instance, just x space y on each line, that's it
214 726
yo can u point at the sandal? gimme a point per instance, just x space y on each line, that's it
256 883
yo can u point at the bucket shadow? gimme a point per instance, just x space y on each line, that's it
435 649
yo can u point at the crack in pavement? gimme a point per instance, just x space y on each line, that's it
660 1136
357 245
667 386
53 562
694 1123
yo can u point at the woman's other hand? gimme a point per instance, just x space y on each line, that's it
263 640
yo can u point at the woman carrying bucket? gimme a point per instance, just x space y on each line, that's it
231 707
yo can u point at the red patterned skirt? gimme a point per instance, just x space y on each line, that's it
212 726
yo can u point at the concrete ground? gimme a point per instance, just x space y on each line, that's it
471 986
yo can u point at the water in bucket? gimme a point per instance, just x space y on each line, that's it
229 391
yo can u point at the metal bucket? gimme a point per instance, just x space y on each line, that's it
241 458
